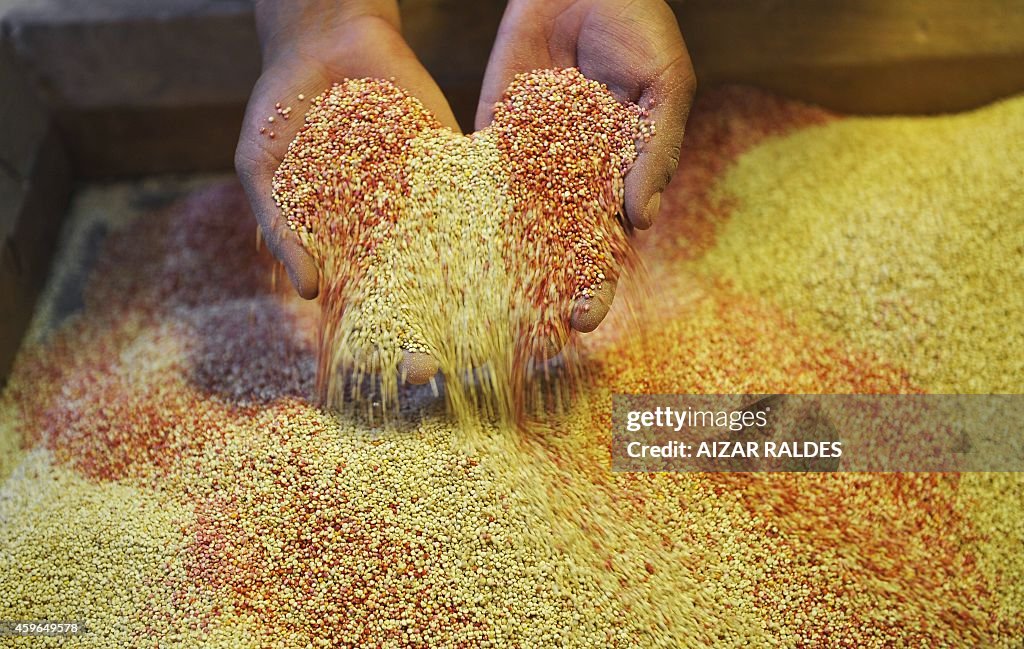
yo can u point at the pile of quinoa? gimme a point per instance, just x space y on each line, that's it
471 249
167 476
846 268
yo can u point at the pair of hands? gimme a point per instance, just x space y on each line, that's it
632 46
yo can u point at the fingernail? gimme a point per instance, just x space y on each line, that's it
306 290
417 367
589 312
653 205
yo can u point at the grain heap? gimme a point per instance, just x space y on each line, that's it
168 437
472 249
958 251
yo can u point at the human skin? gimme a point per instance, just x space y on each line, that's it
307 45
632 46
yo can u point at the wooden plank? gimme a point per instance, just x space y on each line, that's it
140 87
34 186
740 36
98 54
863 56
26 250
119 142
24 117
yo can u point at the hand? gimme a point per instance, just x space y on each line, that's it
307 46
632 46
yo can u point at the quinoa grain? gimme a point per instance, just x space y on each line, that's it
469 249
170 470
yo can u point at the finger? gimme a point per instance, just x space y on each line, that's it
668 98
589 312
282 242
284 245
417 367
256 159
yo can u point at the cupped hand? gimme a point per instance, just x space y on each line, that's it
632 46
308 46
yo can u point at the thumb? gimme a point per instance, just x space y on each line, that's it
668 98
